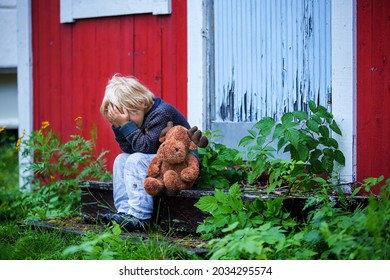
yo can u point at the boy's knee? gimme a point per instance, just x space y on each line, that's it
137 161
121 159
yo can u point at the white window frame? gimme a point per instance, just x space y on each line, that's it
24 81
343 74
71 10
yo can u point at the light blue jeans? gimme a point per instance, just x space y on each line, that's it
129 173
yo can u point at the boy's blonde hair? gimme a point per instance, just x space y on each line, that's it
126 92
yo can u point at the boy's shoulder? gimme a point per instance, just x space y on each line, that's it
162 106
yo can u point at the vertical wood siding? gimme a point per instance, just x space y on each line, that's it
271 57
73 62
373 88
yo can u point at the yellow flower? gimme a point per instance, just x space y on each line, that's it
20 140
2 129
45 125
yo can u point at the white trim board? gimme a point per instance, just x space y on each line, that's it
24 77
70 10
196 60
344 81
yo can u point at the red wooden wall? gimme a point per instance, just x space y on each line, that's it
73 62
373 88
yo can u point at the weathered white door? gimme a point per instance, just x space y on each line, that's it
268 57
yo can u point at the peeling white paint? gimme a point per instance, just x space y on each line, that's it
271 57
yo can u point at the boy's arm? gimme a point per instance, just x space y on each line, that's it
123 144
146 140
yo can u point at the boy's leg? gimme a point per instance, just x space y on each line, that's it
140 204
121 199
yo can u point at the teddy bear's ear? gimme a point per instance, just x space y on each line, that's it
164 131
197 138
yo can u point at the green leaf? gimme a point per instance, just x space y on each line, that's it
219 165
316 118
260 141
287 118
322 112
265 125
246 140
231 227
356 191
339 157
311 143
333 143
221 196
319 180
312 125
278 131
312 106
333 126
252 133
281 143
324 131
235 190
235 204
327 163
300 115
207 204
303 152
220 221
292 135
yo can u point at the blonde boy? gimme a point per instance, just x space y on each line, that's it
137 118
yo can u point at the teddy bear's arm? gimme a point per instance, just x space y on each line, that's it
154 167
191 172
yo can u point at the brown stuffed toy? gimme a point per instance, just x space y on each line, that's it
174 167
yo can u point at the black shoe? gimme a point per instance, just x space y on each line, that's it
106 218
126 221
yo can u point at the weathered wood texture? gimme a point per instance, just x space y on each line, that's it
72 63
373 89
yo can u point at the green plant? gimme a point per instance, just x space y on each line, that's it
9 167
263 230
57 168
220 165
306 138
338 233
229 212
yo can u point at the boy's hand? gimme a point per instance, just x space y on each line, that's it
116 117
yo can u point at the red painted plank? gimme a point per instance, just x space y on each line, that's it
174 45
147 51
373 89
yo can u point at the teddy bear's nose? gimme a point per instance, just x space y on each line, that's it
176 149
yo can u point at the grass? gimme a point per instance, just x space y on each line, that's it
25 243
